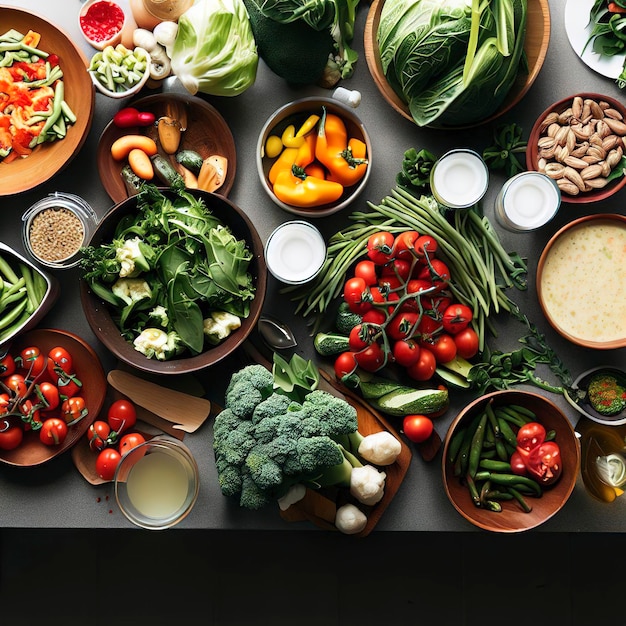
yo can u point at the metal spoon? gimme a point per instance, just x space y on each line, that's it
275 333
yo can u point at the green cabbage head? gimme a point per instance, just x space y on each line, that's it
214 51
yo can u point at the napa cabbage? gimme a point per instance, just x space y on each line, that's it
452 61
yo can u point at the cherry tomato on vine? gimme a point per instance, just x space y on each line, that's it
17 384
402 325
130 441
367 271
107 462
406 352
404 244
49 395
10 435
380 247
417 428
426 246
388 283
7 366
53 431
5 401
398 268
356 294
425 366
456 318
428 328
437 272
32 361
443 347
122 415
371 358
59 362
467 343
374 316
68 386
97 435
73 409
345 364
31 417
358 338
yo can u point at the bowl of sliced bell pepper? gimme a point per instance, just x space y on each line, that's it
313 156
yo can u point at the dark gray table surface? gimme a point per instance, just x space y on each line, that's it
56 496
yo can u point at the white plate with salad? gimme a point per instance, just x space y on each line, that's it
579 27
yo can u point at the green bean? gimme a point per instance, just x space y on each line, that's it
476 446
462 461
473 489
496 466
523 411
455 444
13 314
527 508
513 480
501 414
507 432
501 450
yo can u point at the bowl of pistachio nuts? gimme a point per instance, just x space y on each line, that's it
579 141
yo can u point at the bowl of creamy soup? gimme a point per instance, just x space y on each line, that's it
581 281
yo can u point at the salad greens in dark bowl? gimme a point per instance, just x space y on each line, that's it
173 280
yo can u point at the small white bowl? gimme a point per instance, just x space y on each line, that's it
295 252
130 89
102 43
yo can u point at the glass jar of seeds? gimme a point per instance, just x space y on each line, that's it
56 227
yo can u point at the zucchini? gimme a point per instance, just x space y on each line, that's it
456 372
190 159
164 170
346 320
132 182
328 344
409 401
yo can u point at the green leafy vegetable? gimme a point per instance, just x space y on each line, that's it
504 153
214 51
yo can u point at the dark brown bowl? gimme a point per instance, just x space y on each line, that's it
512 519
207 133
88 370
48 159
99 317
538 131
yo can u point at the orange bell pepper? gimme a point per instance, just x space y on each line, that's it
315 169
335 152
284 162
297 189
306 152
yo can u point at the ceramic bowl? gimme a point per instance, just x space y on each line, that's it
588 192
296 113
52 290
535 47
126 88
88 370
102 7
586 312
49 158
512 518
206 133
99 316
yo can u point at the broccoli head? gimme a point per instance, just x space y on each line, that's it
247 388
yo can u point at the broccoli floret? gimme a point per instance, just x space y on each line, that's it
276 404
318 453
606 395
251 495
247 388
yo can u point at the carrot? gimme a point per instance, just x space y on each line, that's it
140 163
121 147
615 8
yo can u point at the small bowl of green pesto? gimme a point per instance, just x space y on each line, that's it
56 227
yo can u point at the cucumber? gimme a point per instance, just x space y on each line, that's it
328 344
190 159
346 320
377 387
132 182
409 401
164 169
456 372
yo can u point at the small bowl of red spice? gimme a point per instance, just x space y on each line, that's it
101 22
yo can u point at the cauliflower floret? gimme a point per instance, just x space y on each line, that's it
350 520
219 325
131 289
367 484
159 315
156 343
131 258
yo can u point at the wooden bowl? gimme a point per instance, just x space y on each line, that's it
535 46
48 159
576 294
207 133
50 297
89 371
512 519
296 113
99 316
539 131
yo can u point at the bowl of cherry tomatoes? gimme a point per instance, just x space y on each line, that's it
53 387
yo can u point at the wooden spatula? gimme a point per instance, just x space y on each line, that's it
186 412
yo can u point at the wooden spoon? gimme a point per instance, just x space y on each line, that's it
185 411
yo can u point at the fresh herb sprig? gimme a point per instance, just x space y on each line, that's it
507 147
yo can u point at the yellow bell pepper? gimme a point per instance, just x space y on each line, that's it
297 189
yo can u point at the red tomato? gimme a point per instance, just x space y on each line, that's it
425 366
437 303
17 384
5 401
402 325
443 347
530 435
345 364
53 431
467 343
73 409
31 417
130 441
107 462
428 327
389 283
367 271
49 395
404 245
7 366
59 362
415 285
437 272
122 415
10 436
417 428
359 337
425 246
398 268
97 435
372 358
406 352
32 362
374 316
380 247
68 386
356 294
456 318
